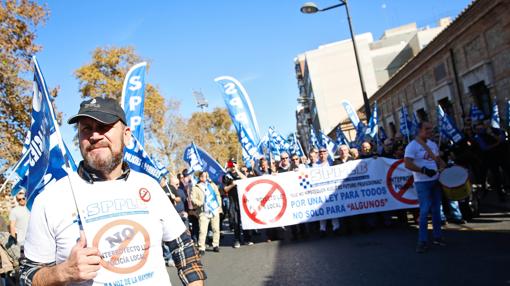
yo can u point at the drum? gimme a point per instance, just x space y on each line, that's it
455 183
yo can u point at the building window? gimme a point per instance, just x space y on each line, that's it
422 115
447 106
481 97
393 129
440 72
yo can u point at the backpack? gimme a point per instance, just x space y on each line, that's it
10 248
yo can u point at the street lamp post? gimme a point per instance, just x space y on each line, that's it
310 8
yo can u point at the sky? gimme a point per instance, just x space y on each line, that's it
189 43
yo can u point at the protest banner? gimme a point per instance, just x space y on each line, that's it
356 187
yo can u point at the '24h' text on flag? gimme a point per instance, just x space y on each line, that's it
240 109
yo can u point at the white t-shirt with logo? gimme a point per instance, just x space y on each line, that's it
125 219
20 216
421 159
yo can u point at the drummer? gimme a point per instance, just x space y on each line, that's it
422 158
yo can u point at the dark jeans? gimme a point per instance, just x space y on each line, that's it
494 160
194 227
235 214
299 230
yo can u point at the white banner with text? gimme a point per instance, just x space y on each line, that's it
355 187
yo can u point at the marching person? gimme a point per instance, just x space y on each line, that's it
324 162
205 197
313 157
284 164
354 153
422 158
126 215
18 221
494 153
186 183
230 187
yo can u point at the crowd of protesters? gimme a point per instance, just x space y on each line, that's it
484 152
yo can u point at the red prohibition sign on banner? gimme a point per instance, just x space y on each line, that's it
399 195
273 188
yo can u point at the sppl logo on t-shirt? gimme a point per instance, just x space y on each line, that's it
104 208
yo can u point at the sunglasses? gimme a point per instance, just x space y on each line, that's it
295 159
20 199
285 158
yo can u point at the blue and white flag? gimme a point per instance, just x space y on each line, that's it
274 150
48 159
351 112
20 180
199 160
279 140
133 99
340 138
250 149
20 175
360 135
328 143
192 157
313 142
495 122
476 114
447 127
405 124
263 147
211 166
373 123
414 125
140 161
295 145
239 106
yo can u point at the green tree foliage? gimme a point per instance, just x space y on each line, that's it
213 132
18 22
104 76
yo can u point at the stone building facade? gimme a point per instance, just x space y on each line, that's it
467 63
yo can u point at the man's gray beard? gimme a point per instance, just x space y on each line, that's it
106 166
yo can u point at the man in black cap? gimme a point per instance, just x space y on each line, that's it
105 223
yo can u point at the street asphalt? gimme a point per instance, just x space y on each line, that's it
477 253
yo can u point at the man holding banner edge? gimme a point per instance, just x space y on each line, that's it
52 255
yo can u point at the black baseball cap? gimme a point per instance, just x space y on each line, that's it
104 110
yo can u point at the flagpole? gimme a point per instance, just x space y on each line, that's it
59 139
